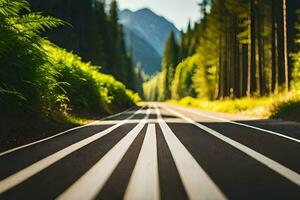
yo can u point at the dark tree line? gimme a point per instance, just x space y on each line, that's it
253 58
95 34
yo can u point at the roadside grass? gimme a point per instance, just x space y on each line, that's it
288 110
275 107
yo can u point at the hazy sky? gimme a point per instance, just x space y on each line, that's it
177 11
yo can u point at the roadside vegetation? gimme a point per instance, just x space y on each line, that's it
259 107
266 107
241 57
43 85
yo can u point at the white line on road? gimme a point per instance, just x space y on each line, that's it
144 181
197 184
277 167
40 165
90 184
58 134
240 124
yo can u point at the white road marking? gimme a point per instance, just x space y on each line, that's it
90 184
197 184
277 167
240 124
58 134
40 165
144 181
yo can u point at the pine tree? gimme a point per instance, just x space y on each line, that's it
169 62
95 35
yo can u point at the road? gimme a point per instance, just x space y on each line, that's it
159 151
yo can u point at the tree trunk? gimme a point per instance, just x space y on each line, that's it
249 64
260 51
251 53
274 48
221 84
245 68
253 47
286 69
280 43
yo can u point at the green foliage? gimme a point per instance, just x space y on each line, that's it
154 89
276 107
169 63
12 8
251 106
189 42
170 57
182 84
288 110
95 34
39 77
21 55
295 83
84 87
238 51
204 79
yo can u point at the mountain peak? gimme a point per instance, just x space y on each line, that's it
146 31
126 11
145 10
150 26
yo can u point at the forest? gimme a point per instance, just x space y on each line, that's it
43 79
95 34
241 49
64 63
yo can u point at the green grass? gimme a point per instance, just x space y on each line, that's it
266 107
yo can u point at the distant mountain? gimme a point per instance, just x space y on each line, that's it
143 52
146 33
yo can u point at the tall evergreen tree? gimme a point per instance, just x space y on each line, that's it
237 57
94 35
169 62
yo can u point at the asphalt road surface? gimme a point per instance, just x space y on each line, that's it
159 151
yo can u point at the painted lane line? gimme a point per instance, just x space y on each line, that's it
40 165
275 166
90 184
240 124
197 184
144 181
58 134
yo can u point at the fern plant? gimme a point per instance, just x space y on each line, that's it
38 77
21 55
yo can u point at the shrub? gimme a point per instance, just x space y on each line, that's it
182 84
288 110
85 88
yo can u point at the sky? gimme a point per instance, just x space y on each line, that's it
177 11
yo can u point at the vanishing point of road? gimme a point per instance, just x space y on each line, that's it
159 151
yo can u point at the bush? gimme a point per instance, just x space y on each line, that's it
84 87
182 84
295 83
288 110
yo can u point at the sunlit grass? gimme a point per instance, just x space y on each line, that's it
265 107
